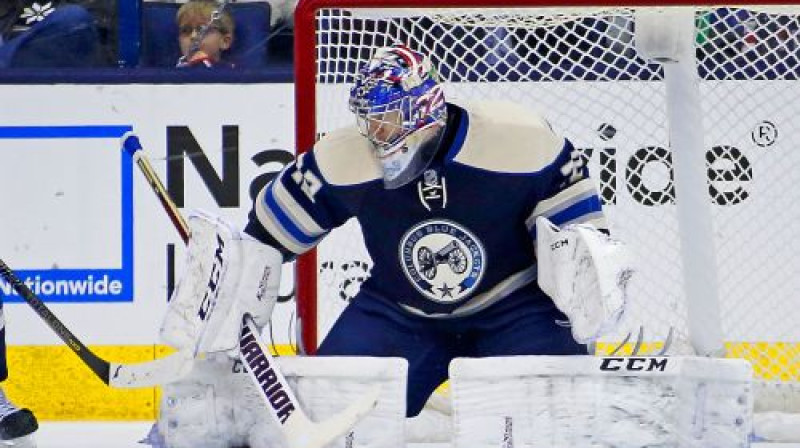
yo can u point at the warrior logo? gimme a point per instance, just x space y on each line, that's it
443 260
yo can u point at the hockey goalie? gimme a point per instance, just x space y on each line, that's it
237 394
463 208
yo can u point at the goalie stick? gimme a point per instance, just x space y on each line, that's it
131 145
144 374
284 407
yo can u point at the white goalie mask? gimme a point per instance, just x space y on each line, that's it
400 108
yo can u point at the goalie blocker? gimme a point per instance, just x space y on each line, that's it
226 275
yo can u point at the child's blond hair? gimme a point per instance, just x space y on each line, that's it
204 9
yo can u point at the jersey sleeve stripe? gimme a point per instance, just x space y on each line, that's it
268 221
285 219
576 204
597 219
292 208
584 203
566 198
278 224
573 213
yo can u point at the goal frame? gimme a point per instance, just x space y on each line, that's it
305 105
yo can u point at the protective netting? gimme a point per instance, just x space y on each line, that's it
581 69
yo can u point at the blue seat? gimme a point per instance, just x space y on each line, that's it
67 38
160 34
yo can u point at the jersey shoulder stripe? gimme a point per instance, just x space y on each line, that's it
345 157
507 138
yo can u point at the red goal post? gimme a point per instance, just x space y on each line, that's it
720 262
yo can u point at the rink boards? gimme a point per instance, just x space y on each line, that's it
254 121
57 386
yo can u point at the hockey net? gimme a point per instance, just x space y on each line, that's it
726 264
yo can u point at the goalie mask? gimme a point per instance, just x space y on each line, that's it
399 106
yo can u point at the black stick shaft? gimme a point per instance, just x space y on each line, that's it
100 367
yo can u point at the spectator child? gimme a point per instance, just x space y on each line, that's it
205 32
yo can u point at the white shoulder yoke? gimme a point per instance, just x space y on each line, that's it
505 137
345 157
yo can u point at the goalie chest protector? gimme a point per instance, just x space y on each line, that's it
455 240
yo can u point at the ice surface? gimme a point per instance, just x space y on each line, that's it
127 435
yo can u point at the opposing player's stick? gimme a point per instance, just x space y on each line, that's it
284 407
144 374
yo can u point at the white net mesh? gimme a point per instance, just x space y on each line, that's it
580 69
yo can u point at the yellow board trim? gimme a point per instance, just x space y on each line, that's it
52 382
57 386
772 361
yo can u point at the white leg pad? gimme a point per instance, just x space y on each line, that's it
327 385
560 401
430 426
208 408
218 406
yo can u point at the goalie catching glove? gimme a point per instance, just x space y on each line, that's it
226 274
586 273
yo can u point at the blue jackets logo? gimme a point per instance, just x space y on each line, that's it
443 260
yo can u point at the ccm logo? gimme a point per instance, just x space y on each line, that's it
634 364
558 244
213 281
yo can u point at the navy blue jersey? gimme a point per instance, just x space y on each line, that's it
458 239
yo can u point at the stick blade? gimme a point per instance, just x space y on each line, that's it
151 373
303 433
